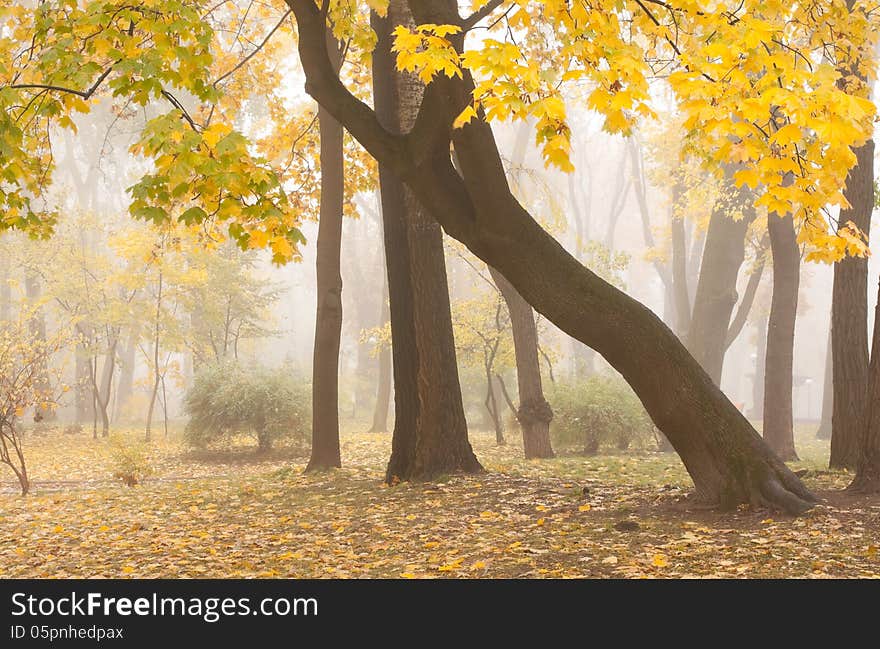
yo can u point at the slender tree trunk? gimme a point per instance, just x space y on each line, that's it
328 323
383 389
534 413
698 242
716 290
156 374
824 431
778 417
105 388
492 406
681 293
867 478
748 299
849 320
33 291
5 289
126 374
82 390
757 411
430 430
727 460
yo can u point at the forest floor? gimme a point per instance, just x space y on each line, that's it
238 514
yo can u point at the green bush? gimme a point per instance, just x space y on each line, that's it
227 399
599 410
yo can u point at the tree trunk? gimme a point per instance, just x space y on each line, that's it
681 294
430 430
383 389
757 411
824 431
126 374
778 419
328 322
157 376
5 289
105 387
867 478
492 406
716 294
849 320
84 403
727 459
37 325
534 413
748 298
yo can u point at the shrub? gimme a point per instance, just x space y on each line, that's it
599 410
227 399
131 462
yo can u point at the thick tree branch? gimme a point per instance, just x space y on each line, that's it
479 14
323 84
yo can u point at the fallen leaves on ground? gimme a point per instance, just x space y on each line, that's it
239 514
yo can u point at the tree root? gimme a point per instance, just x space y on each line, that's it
773 494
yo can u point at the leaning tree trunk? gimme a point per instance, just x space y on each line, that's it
328 321
716 294
778 417
534 413
430 429
867 478
824 431
727 460
849 320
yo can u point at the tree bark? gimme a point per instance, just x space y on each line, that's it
430 429
867 478
716 294
328 321
778 418
849 320
824 431
534 413
727 460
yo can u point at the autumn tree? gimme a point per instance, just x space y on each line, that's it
27 381
430 430
745 98
849 320
472 213
328 318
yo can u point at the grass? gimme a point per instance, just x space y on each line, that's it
240 514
